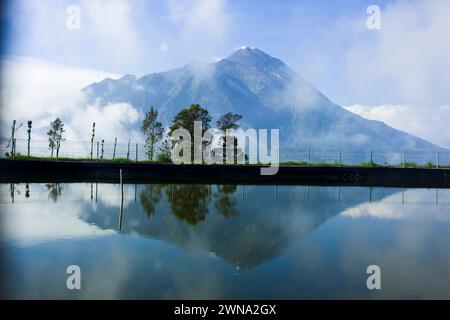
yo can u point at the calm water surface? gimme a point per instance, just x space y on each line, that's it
209 241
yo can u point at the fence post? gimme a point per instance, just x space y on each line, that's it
437 160
103 149
371 158
121 199
309 157
340 158
29 137
92 138
13 148
13 131
137 152
128 151
97 149
115 144
404 161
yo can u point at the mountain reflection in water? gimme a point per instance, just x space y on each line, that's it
224 241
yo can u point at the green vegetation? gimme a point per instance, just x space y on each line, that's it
55 135
152 130
165 150
87 158
158 146
185 119
164 157
187 116
229 122
372 164
410 165
294 163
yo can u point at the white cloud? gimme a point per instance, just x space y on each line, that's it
406 62
107 37
40 91
202 26
164 46
110 22
418 204
242 47
112 120
37 219
45 220
205 16
426 122
217 59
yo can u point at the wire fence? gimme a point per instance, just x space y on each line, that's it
102 150
97 150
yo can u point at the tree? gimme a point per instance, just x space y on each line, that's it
228 121
185 119
165 152
187 116
153 131
59 139
55 134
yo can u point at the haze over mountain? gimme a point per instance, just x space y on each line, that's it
266 92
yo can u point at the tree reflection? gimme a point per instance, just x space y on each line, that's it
27 190
189 202
12 191
225 201
256 233
150 197
54 191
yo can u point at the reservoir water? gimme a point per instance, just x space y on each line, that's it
223 241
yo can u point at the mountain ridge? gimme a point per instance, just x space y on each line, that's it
265 91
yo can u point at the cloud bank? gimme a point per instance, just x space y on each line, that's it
406 61
428 122
40 91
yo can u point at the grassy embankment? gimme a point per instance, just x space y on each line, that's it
284 163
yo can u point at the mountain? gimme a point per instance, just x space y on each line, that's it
266 92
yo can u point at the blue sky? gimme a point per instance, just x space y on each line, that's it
310 36
397 74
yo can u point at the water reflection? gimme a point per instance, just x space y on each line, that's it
244 228
225 202
54 191
149 197
244 225
232 241
189 202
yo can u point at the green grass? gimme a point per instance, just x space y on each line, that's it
370 164
24 157
283 163
294 163
410 165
